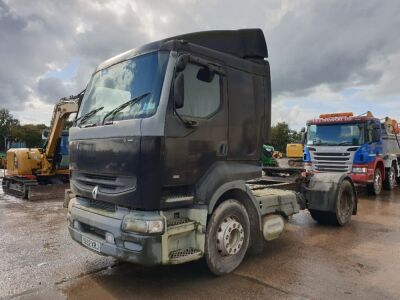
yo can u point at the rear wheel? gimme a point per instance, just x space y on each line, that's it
344 207
227 238
345 203
375 187
390 179
322 217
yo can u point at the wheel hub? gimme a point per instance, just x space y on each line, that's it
392 178
230 237
377 182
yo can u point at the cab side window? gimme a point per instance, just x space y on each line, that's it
202 97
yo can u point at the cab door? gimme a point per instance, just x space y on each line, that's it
196 133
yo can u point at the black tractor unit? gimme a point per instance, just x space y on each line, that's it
165 142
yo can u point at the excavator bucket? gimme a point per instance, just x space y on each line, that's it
47 192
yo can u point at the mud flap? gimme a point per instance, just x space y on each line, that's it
320 191
48 191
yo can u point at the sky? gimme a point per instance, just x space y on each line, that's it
326 56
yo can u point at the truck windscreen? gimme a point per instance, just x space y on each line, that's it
111 87
347 134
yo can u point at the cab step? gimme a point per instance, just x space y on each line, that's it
180 225
184 255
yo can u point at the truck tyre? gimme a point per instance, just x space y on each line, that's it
390 179
322 217
375 187
345 202
344 207
291 162
227 238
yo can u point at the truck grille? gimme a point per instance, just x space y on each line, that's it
332 162
109 184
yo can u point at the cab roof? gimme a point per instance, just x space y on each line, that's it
246 44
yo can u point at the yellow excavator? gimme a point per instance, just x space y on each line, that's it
294 153
42 173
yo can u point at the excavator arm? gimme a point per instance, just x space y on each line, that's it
61 112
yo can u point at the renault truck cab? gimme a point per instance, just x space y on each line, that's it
166 138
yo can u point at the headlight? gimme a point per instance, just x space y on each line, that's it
359 170
142 226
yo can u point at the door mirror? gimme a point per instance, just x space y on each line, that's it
179 91
303 129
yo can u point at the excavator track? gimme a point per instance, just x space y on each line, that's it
31 190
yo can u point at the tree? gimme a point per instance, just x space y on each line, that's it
281 135
29 133
7 124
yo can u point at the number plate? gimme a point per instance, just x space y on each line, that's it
91 244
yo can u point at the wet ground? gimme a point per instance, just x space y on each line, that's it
38 260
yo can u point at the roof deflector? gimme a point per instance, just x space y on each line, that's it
243 43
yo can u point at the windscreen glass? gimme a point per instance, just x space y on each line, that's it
351 134
128 90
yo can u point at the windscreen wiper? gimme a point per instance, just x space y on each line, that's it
130 102
88 115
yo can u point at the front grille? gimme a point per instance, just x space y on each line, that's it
100 177
104 181
332 162
109 184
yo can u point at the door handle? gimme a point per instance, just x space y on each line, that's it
223 149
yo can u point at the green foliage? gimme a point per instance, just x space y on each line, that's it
11 129
281 135
7 123
31 134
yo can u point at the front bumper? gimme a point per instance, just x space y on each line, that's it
130 247
362 177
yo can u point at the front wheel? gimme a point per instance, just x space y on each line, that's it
390 179
227 239
375 187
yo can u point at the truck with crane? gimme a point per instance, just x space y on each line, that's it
165 156
363 146
42 173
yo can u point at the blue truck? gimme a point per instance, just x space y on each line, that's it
365 147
